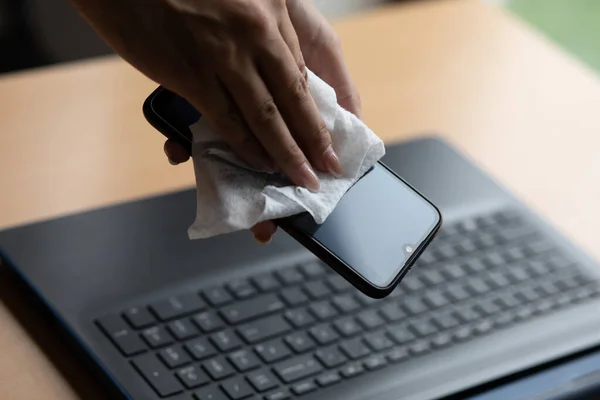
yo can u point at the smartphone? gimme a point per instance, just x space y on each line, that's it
372 238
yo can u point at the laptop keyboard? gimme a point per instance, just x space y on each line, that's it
281 335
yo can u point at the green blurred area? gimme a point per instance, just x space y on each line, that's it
573 24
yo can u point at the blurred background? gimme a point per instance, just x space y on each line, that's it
36 33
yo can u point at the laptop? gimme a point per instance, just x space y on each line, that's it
498 292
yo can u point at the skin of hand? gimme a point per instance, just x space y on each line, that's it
242 64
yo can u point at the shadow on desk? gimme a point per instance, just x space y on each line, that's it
42 327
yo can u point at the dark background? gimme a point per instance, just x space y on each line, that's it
36 33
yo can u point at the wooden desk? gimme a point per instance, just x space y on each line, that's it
73 137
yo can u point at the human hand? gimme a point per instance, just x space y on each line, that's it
240 62
323 55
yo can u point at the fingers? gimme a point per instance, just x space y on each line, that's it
259 109
175 152
225 118
282 68
264 231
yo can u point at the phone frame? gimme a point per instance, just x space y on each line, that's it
332 260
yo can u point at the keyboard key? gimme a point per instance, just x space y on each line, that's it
428 257
504 319
218 368
518 274
330 357
496 280
182 329
210 393
241 289
208 321
514 253
483 327
378 341
265 282
237 388
192 377
177 306
139 317
323 334
435 299
304 388
328 379
253 308
174 357
516 233
456 293
441 340
279 394
355 348
297 368
299 342
351 370
453 271
294 296
272 351
161 380
375 362
117 330
157 337
200 348
338 284
217 296
263 329
347 326
262 380
225 340
299 317
414 306
445 321
487 307
370 319
289 276
392 312
323 310
419 347
525 312
412 283
366 300
477 286
466 246
463 333
345 303
467 313
422 327
538 247
316 289
400 334
243 360
432 277
312 270
475 266
397 354
445 252
527 294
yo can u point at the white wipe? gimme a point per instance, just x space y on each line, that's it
231 196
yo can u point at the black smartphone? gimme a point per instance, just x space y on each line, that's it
372 238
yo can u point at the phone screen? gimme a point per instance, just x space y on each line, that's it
376 227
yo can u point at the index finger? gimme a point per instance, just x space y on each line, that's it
285 75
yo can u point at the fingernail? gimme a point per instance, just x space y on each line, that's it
173 162
262 240
332 162
308 178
